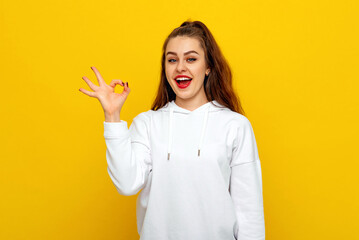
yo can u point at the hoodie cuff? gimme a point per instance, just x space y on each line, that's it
115 129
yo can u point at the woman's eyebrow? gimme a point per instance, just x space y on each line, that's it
192 51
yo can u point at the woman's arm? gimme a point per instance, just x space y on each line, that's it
246 185
128 153
128 150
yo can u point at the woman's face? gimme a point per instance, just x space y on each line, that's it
184 58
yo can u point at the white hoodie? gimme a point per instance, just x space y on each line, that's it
199 172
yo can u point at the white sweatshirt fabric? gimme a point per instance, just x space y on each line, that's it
199 172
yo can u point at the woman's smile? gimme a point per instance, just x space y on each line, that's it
183 81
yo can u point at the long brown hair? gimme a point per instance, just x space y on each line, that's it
217 85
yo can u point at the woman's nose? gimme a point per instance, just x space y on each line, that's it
181 66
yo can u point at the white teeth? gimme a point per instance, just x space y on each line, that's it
181 79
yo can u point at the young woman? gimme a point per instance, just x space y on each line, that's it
194 154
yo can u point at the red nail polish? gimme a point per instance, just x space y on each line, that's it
127 84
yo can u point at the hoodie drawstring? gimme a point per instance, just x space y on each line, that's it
203 130
170 134
204 125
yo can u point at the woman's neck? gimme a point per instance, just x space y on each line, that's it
190 104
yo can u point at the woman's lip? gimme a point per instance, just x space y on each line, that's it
183 76
183 86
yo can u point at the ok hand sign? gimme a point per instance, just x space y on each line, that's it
111 102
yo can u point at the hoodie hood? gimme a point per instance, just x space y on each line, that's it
172 108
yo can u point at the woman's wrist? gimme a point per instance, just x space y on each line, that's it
112 117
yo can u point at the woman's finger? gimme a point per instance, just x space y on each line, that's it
98 76
126 88
91 94
116 81
89 83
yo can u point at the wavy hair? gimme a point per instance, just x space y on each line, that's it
220 74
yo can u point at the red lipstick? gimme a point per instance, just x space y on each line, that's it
183 83
182 76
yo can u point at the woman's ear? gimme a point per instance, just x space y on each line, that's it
207 72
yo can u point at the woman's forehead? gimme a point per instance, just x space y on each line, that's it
182 44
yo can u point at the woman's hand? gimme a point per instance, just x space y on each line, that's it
111 102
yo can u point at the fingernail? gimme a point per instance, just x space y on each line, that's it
127 84
91 68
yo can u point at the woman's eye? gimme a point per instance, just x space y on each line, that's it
189 59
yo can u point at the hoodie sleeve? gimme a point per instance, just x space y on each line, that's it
128 154
246 185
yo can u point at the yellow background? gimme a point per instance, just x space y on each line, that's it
295 66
